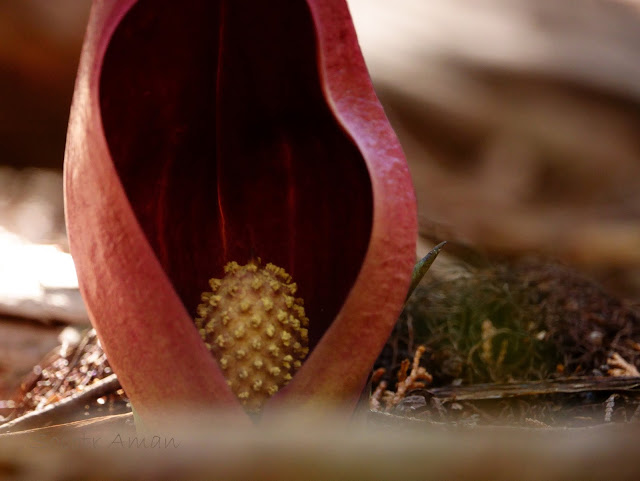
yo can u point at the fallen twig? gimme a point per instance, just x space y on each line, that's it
478 392
56 412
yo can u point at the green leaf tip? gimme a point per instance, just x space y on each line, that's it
422 266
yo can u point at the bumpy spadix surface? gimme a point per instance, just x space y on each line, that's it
255 328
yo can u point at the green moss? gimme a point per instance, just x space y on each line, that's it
479 328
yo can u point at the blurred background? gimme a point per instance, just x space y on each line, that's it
519 118
520 121
40 45
39 48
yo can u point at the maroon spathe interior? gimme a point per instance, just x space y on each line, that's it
216 121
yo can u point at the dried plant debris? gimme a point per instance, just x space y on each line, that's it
536 326
74 382
621 368
584 323
385 400
573 402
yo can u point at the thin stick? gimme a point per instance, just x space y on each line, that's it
478 392
53 412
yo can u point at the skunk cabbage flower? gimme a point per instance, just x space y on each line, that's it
214 142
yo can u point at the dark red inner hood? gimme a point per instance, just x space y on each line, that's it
215 118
